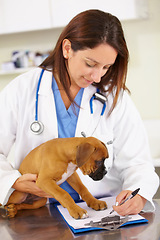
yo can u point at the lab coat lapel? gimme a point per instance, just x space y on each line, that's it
87 122
47 103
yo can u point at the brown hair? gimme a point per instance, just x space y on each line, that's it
87 30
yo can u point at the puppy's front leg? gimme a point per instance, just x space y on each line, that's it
76 183
63 197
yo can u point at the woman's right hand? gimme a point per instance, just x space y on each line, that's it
27 183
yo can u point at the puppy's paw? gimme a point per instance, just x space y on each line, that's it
78 212
11 210
97 204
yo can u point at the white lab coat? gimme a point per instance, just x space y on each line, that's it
129 164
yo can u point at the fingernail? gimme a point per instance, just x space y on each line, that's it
117 203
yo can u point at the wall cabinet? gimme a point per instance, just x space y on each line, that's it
24 15
28 15
63 11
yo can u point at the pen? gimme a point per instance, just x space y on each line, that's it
129 197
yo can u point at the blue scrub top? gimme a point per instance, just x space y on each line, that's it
67 122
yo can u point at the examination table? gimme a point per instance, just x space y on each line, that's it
47 223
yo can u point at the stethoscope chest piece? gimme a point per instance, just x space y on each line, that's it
37 127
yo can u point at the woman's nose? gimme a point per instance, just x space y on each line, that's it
96 75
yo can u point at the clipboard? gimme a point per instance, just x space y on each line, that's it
95 219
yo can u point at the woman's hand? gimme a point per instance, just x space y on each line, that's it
132 206
27 183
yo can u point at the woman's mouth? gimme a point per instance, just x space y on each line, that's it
87 81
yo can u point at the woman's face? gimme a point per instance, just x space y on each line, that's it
90 65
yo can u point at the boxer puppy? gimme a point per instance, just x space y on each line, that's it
56 161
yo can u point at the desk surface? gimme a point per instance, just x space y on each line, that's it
47 223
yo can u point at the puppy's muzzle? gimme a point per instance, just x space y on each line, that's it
99 173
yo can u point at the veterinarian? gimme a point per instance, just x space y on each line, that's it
79 90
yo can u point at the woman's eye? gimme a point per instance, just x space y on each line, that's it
89 65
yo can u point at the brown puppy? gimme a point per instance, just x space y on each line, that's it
56 161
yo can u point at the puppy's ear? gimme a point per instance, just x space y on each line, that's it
84 151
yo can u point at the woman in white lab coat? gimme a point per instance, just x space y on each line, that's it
90 54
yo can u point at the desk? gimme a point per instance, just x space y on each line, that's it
46 223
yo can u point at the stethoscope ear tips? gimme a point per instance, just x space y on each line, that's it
37 127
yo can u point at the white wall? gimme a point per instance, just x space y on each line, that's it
143 38
143 79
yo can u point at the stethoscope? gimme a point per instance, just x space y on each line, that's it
37 126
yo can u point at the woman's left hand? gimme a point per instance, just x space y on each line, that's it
132 206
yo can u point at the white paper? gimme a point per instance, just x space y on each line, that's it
93 215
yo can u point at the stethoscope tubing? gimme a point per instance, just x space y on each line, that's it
100 97
37 127
36 102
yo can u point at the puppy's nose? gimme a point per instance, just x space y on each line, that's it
98 174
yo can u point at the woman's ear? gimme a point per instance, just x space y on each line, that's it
66 48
